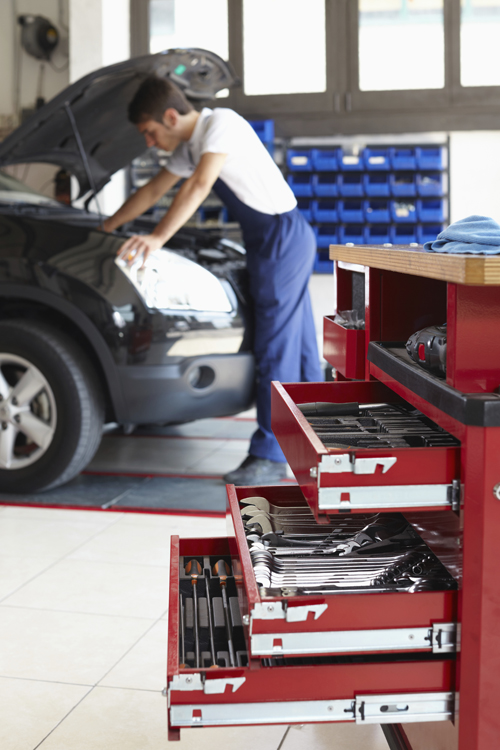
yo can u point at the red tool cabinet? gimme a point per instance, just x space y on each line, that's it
372 652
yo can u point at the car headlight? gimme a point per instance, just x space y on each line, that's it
170 282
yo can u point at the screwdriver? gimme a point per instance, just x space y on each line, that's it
221 569
183 641
210 618
193 569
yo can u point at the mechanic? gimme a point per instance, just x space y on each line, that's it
217 149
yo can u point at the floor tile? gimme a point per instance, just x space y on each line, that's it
209 428
335 737
187 525
30 710
60 514
39 537
100 588
441 735
16 571
144 667
129 544
64 646
149 454
140 724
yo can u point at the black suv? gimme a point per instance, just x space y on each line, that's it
83 339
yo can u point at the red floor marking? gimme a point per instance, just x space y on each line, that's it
173 437
116 509
152 475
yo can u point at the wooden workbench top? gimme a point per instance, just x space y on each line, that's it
478 270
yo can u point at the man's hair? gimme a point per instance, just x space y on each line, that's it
153 97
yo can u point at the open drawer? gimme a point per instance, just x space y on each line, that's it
388 614
358 463
367 689
344 349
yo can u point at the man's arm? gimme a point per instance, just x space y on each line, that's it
142 199
191 194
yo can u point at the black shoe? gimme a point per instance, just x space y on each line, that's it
255 470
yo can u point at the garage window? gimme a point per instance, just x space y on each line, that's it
284 47
479 34
401 45
189 23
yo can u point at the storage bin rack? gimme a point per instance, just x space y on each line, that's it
365 195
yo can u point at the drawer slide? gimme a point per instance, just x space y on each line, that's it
372 709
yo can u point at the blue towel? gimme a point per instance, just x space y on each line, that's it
479 235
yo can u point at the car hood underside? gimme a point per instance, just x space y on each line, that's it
94 111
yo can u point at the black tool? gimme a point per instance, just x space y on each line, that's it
182 665
210 619
193 569
327 409
428 348
221 569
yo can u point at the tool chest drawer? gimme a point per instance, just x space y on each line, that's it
314 589
344 348
357 688
358 446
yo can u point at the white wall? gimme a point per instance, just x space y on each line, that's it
99 36
475 174
29 68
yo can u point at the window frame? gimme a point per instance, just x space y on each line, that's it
343 108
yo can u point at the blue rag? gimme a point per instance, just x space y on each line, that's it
479 235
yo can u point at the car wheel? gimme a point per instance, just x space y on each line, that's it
51 407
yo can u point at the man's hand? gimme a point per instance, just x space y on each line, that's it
140 246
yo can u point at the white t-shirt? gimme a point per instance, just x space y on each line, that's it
249 170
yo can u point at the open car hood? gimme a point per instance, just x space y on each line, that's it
98 103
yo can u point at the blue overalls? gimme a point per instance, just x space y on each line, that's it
280 254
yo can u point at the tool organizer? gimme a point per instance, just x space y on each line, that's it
391 651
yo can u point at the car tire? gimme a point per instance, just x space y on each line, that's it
46 438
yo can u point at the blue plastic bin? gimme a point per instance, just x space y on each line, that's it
299 160
351 184
403 184
355 233
264 129
378 234
377 210
428 232
324 210
430 210
429 157
403 159
326 235
430 184
404 212
351 211
305 209
351 162
326 184
377 159
322 263
377 184
403 234
301 185
212 214
325 161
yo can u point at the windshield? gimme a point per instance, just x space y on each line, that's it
15 191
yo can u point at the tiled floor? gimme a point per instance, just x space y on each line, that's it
83 605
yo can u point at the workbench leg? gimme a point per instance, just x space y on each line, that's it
479 660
